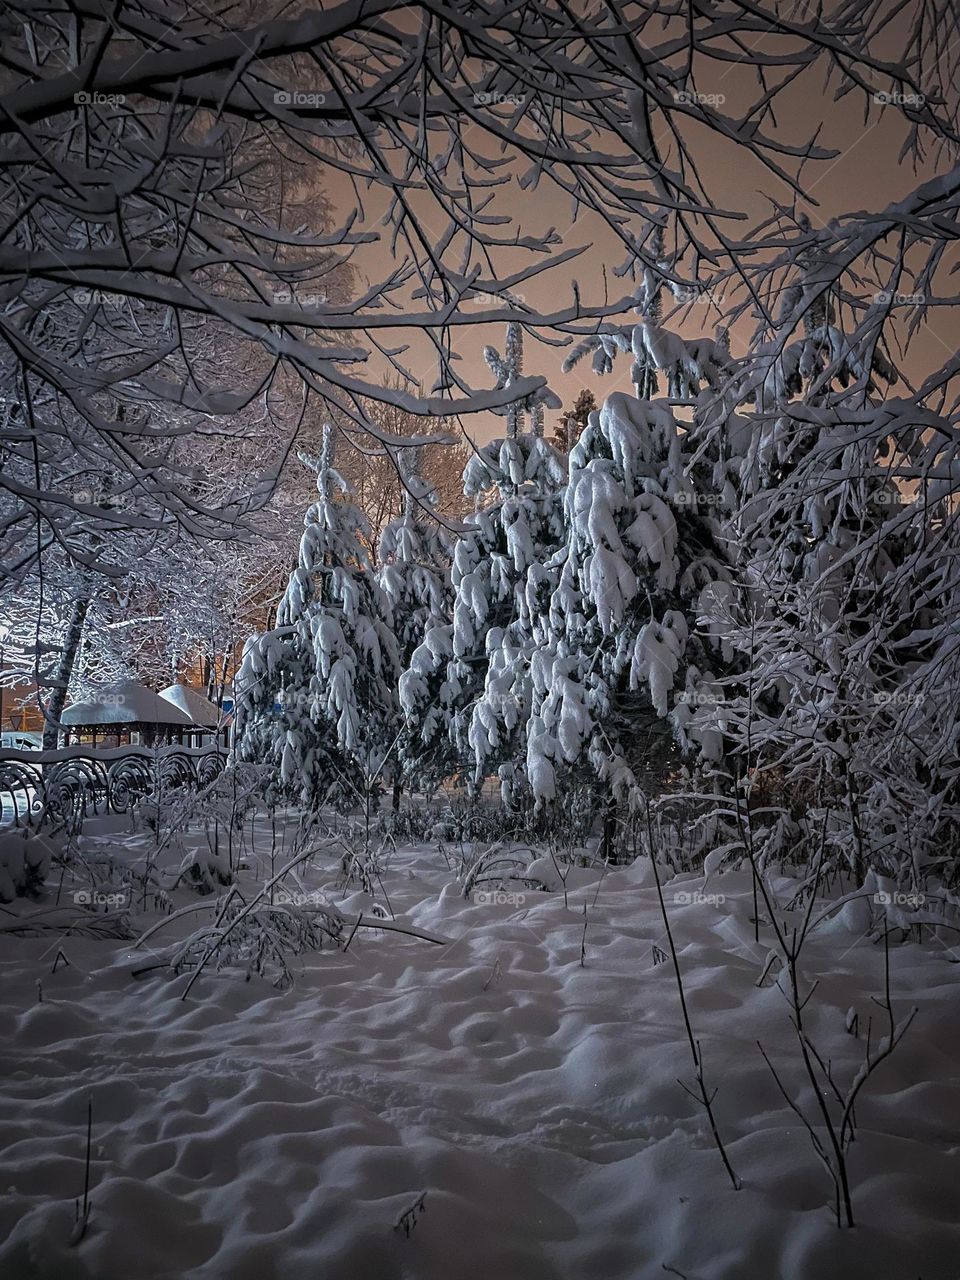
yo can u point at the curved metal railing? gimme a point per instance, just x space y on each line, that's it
63 787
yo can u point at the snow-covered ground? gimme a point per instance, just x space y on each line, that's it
524 1107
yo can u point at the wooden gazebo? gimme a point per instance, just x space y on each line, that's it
124 713
207 720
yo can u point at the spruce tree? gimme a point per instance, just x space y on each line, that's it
623 660
415 559
471 675
317 693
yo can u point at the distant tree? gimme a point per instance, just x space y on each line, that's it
573 421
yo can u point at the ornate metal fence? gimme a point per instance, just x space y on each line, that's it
63 787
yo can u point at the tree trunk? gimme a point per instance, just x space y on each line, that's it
61 681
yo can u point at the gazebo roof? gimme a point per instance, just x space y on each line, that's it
193 704
125 703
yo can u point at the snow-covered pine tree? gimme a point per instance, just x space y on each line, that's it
415 554
623 662
623 676
473 674
317 693
684 363
415 558
508 369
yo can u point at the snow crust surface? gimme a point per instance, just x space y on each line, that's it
251 1134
